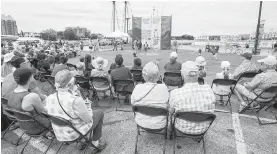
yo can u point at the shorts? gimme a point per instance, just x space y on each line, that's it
90 47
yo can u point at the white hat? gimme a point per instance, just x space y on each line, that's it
8 57
173 55
100 62
200 61
269 60
225 64
189 68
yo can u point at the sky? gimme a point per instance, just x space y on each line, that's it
188 17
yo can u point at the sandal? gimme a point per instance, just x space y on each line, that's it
81 145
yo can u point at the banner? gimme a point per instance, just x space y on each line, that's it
166 32
136 28
156 32
146 30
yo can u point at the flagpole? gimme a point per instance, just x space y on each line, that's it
258 29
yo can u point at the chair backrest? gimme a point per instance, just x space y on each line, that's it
151 111
194 116
122 83
82 81
173 79
137 75
71 65
57 120
247 75
269 92
4 103
224 82
99 79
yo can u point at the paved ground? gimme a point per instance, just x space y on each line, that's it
229 134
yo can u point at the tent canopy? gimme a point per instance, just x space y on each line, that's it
117 34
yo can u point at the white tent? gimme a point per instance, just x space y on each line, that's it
117 34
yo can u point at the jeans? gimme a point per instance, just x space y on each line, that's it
98 117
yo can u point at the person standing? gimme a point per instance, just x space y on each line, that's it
115 45
90 46
81 46
175 45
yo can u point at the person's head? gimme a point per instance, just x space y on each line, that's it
100 63
275 46
137 62
8 57
200 62
63 59
246 46
82 59
225 66
118 60
57 59
173 57
190 72
64 80
247 55
20 62
80 66
41 56
150 72
22 76
268 63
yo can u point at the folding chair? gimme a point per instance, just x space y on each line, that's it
4 103
173 79
137 75
225 82
71 66
264 99
103 80
26 122
194 117
83 83
65 123
153 112
249 74
120 89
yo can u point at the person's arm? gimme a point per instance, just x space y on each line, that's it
171 102
32 101
33 87
80 109
254 83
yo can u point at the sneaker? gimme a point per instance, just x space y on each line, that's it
102 145
81 145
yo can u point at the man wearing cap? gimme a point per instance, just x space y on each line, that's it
9 83
246 66
191 97
173 65
260 81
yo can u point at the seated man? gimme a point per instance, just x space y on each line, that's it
191 97
113 65
173 65
137 64
150 94
9 83
246 66
122 73
259 83
201 63
61 66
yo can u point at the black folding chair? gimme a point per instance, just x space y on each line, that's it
173 79
264 99
83 83
71 66
249 74
137 75
104 80
225 82
27 122
194 117
120 89
153 112
11 117
65 123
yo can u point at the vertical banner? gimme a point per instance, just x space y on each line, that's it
146 29
136 28
156 32
166 32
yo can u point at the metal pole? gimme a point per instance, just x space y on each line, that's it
113 16
125 10
127 20
258 28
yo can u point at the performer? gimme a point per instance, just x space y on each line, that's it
213 51
90 46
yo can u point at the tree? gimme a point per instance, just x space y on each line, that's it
70 35
49 34
60 35
87 33
93 36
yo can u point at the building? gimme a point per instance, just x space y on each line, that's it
8 25
79 31
31 34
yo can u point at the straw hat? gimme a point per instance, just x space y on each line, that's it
8 57
200 61
269 60
99 62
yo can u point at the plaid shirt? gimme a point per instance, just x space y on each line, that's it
245 66
192 97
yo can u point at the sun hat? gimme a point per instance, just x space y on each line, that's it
269 60
200 61
225 64
100 62
62 78
247 55
8 57
173 55
189 68
22 75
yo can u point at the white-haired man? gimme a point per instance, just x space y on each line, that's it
173 65
191 97
259 83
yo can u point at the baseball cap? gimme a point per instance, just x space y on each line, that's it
22 75
269 60
8 57
62 78
173 55
189 68
225 64
247 55
200 61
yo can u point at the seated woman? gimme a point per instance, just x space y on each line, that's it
70 106
137 64
150 94
80 69
225 74
23 100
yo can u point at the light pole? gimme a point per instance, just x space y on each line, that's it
258 29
